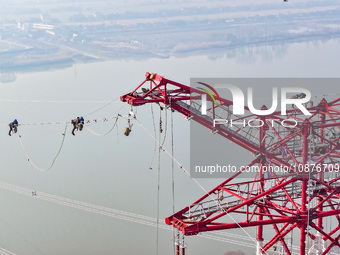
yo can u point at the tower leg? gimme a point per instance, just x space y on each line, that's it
183 246
304 180
303 225
177 244
259 246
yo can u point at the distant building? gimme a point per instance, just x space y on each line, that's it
42 26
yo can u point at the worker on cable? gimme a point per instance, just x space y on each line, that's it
78 124
81 123
75 124
299 96
13 127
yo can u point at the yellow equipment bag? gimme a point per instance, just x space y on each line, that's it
127 131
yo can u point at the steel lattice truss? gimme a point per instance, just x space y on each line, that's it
296 200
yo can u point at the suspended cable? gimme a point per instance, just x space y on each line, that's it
40 195
108 132
63 139
39 123
88 121
54 159
100 108
109 103
82 206
106 211
6 252
117 99
219 233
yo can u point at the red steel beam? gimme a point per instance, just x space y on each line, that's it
165 91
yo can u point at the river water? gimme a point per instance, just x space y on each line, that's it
113 170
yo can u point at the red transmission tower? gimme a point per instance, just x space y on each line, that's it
302 199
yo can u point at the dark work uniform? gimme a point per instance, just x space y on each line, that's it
13 127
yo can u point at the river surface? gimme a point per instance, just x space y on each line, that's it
114 170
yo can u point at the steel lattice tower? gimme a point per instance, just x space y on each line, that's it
302 199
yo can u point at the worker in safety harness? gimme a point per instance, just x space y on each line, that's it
13 127
298 96
78 124
81 123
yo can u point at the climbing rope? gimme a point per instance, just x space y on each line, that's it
155 146
117 132
158 179
173 176
55 158
165 125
